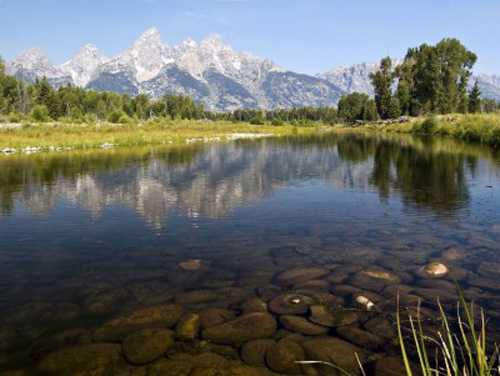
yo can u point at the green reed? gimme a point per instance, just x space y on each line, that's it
459 353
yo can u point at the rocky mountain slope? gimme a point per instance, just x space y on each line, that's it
211 72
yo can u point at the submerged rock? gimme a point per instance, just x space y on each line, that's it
296 275
254 352
170 367
159 316
435 269
214 316
337 317
361 337
187 327
245 328
290 304
190 265
147 345
96 359
254 305
301 325
281 357
334 351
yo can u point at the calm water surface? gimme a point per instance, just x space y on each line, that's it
86 237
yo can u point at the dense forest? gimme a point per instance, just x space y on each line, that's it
430 80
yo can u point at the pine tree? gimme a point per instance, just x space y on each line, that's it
382 82
475 99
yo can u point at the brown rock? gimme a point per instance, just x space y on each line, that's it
334 351
301 325
382 327
361 337
281 357
254 305
187 327
159 316
315 284
147 345
170 367
96 359
290 304
333 318
214 316
295 275
254 352
243 329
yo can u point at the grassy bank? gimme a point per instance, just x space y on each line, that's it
45 135
484 128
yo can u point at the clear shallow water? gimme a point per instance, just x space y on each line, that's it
89 236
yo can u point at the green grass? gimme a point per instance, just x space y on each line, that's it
483 128
459 352
58 134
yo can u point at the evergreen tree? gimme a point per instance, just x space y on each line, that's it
382 82
475 99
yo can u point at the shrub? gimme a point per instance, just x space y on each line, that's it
115 116
277 122
428 126
15 117
40 113
125 119
257 121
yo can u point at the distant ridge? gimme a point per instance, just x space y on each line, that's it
211 72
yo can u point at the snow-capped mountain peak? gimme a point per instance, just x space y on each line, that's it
82 67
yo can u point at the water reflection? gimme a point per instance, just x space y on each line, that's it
213 180
77 246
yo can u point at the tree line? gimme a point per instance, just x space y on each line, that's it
430 80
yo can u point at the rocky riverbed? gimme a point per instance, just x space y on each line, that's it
256 322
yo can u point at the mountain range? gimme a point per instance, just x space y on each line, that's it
211 72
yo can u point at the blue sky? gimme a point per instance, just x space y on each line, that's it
307 36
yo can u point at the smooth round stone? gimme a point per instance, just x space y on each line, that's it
315 284
290 304
335 351
147 345
159 316
435 269
301 325
254 305
96 359
254 352
190 265
214 316
187 327
243 329
282 356
361 337
381 327
381 275
332 318
170 367
296 275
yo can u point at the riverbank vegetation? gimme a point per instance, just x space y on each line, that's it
428 93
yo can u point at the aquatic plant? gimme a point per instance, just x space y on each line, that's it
461 352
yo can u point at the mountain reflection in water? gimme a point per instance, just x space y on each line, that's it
213 180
